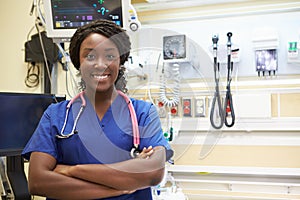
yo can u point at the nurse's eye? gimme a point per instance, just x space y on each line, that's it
110 57
90 57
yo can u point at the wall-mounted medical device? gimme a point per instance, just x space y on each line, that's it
62 18
34 50
293 55
174 48
265 44
178 49
175 53
266 61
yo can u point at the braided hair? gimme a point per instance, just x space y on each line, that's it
110 30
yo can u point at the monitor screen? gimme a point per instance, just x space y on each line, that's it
19 116
64 17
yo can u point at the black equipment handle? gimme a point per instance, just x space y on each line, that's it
228 104
217 98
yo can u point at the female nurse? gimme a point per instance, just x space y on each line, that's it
95 162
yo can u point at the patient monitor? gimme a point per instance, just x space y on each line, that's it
62 18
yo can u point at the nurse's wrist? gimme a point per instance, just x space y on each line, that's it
71 170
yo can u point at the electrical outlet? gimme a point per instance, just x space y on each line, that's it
187 107
200 106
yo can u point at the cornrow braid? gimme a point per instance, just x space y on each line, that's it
110 30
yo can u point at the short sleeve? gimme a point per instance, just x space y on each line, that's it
151 133
42 139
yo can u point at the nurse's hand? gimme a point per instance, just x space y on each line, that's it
146 153
62 169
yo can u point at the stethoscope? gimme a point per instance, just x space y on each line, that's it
136 136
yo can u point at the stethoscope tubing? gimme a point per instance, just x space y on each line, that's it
135 129
82 107
136 136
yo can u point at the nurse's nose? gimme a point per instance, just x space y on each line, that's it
101 63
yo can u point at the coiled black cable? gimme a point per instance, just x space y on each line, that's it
33 74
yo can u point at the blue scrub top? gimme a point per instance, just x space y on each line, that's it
97 142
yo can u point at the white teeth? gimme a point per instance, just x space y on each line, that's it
100 77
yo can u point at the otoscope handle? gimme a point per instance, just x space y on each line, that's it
229 116
229 35
229 64
215 40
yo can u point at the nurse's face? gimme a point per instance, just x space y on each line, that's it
99 63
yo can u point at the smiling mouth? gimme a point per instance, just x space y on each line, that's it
99 77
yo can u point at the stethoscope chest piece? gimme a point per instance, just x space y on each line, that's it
66 136
134 152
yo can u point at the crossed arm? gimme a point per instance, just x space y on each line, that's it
91 181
